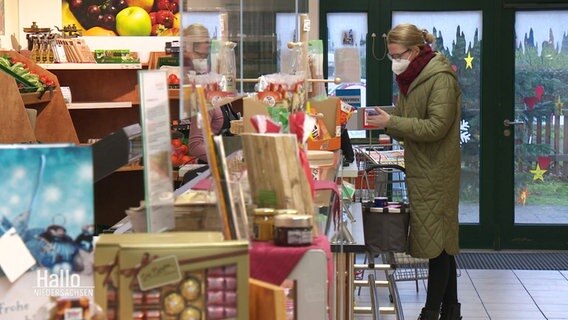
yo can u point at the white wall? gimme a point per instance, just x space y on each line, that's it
47 13
11 22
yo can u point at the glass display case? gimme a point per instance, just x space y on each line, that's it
260 29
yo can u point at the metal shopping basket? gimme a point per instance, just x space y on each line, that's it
389 180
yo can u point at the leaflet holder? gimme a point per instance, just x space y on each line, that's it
116 150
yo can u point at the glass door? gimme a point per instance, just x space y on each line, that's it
514 80
459 37
536 131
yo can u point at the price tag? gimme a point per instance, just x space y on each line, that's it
66 92
11 245
307 25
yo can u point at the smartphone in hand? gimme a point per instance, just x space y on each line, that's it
371 112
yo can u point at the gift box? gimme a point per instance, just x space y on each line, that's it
107 282
191 280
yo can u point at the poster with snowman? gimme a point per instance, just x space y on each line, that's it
46 231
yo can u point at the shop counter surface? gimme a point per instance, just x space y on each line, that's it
275 264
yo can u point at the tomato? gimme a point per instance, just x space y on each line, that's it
183 149
176 143
185 159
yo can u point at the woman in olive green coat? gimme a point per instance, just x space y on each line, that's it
426 119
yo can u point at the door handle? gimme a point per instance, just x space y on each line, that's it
508 123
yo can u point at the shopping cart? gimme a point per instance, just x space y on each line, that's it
389 180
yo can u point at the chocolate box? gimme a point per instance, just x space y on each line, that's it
189 280
107 267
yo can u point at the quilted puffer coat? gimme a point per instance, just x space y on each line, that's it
427 119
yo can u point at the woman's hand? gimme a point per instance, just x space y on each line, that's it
378 119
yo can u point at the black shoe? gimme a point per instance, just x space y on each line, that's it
428 315
451 312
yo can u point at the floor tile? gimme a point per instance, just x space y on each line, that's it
554 311
490 295
538 274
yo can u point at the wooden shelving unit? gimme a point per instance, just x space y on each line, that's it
53 123
105 97
92 66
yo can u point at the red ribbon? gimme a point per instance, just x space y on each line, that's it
107 271
296 121
133 272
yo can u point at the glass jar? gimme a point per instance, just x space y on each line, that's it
263 224
293 230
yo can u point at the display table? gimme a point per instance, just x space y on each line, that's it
305 264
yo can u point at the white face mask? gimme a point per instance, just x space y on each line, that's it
400 66
200 65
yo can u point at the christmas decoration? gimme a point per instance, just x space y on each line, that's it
465 136
468 61
523 196
544 162
538 173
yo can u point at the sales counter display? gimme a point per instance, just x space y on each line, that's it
172 276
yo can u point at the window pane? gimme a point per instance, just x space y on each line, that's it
541 90
458 37
347 47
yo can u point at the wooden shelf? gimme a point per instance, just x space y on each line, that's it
34 97
99 105
90 66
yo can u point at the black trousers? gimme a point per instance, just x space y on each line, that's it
442 281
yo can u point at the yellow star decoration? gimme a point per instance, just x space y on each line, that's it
523 195
559 104
468 61
538 173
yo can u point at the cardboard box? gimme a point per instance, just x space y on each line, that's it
251 107
107 264
330 108
184 280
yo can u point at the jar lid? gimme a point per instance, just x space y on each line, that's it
264 211
286 211
292 221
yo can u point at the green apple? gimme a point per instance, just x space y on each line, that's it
133 21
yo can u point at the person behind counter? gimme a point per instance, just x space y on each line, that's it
426 117
196 49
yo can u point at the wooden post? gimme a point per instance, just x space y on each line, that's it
557 140
565 147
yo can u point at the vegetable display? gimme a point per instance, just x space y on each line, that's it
27 80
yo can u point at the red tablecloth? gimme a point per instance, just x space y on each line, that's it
273 264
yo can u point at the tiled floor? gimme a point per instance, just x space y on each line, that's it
489 294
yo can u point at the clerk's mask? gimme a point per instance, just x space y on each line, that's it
400 65
200 65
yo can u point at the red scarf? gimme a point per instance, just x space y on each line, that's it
414 68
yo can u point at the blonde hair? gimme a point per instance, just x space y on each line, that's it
409 36
195 33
